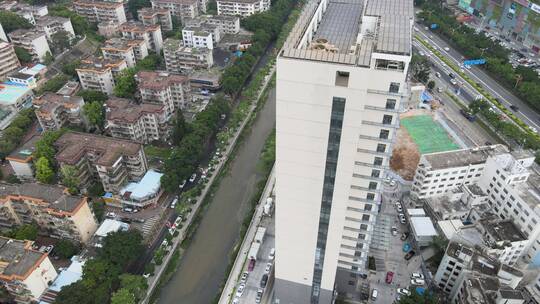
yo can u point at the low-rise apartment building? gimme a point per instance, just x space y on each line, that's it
32 40
21 159
129 50
170 90
54 111
201 35
108 29
28 76
111 161
98 11
25 273
183 59
156 16
51 207
183 9
226 24
151 34
98 73
242 8
28 12
8 59
51 25
141 194
144 122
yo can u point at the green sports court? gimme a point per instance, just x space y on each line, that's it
428 135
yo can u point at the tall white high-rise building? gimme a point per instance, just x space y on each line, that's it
341 77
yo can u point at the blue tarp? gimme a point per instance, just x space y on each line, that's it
420 290
425 97
406 247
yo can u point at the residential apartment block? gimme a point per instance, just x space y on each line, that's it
55 111
8 59
128 50
99 11
25 273
202 35
144 122
182 59
226 24
55 211
156 16
21 159
28 12
170 90
51 25
341 78
532 291
97 73
33 41
108 29
3 36
180 8
242 8
151 34
111 161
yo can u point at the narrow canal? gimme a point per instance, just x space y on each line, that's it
202 268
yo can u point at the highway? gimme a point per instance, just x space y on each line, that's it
525 113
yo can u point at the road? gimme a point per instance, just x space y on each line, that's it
204 263
525 113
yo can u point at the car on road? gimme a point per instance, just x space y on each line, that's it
272 254
403 291
447 49
389 277
183 184
240 290
178 221
399 207
264 280
173 204
259 295
409 255
438 75
452 76
110 215
417 282
192 177
244 277
453 81
417 275
404 236
394 230
514 108
268 268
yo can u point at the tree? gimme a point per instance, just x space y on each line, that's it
23 55
81 26
45 146
95 112
91 95
13 179
98 206
66 249
415 298
70 68
122 247
180 127
44 172
149 63
126 86
420 68
25 232
48 59
135 284
70 178
53 84
123 296
431 85
60 41
76 293
11 21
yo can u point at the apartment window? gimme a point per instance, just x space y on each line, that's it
342 79
381 148
390 104
332 152
387 119
365 217
394 87
368 207
370 196
372 185
377 161
384 134
375 173
363 227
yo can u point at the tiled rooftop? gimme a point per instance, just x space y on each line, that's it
56 196
120 109
19 257
158 79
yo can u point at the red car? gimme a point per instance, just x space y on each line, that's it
389 277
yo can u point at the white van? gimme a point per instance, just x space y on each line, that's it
374 294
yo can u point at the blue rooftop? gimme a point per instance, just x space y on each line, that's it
10 93
147 186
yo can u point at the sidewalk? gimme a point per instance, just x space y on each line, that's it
154 280
241 259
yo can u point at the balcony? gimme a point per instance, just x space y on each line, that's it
378 139
373 178
365 189
386 93
383 109
388 154
394 125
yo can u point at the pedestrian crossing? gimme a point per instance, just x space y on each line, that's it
148 225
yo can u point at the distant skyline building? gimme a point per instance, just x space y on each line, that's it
341 78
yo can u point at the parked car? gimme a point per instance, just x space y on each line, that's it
173 204
264 280
268 268
183 184
409 255
403 291
128 209
417 275
240 290
394 230
402 218
178 221
192 177
389 277
259 295
404 236
244 277
111 215
417 282
272 254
